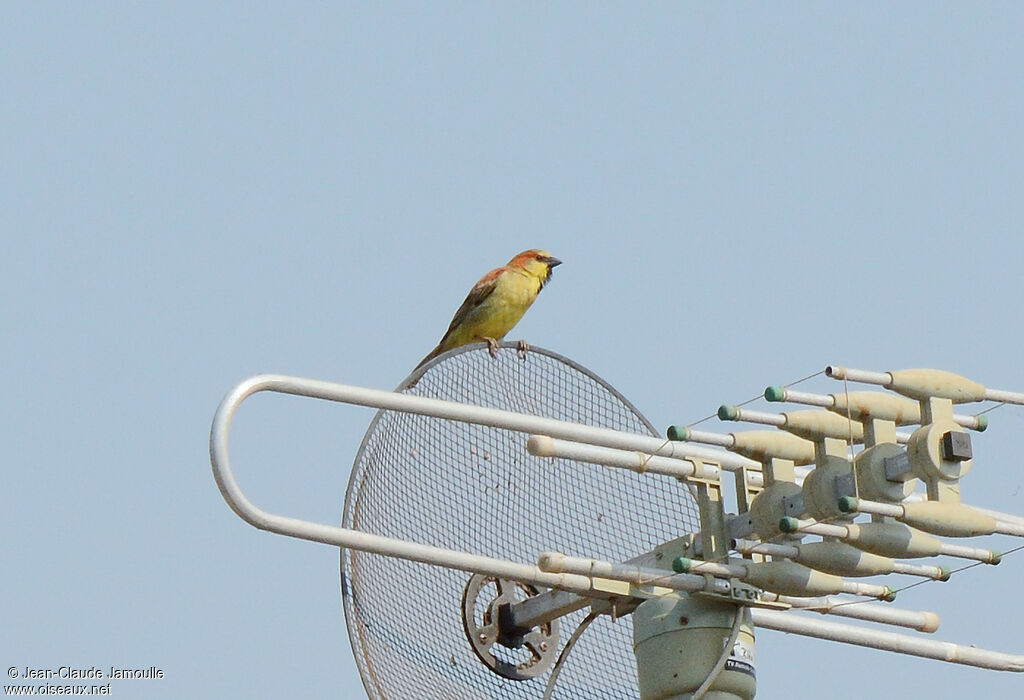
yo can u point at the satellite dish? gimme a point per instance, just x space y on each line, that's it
424 631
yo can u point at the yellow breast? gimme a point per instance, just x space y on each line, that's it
500 311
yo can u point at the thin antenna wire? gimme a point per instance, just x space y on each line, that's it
577 633
991 408
755 398
734 633
849 445
927 580
647 458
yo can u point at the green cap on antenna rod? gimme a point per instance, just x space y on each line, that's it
982 423
728 413
775 393
789 525
678 432
681 565
848 504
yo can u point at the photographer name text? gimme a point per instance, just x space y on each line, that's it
91 673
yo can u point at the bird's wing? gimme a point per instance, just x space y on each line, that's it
477 295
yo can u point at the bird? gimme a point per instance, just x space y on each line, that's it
496 303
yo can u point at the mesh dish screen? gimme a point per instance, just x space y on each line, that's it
477 489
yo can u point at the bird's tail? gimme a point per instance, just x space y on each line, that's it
430 356
433 353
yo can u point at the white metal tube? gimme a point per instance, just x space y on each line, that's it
762 417
920 620
1005 528
344 537
1004 396
769 548
779 421
859 375
808 399
496 418
891 510
556 562
936 573
709 438
641 462
544 446
794 623
1008 518
717 568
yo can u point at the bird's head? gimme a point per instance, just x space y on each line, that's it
536 263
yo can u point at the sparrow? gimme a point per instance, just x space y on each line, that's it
497 302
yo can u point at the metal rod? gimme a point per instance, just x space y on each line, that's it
891 510
641 462
779 421
858 375
709 438
631 573
793 623
808 399
1008 518
1013 397
543 608
920 620
492 417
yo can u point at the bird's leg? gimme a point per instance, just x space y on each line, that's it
492 346
522 347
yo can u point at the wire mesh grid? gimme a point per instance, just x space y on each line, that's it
477 489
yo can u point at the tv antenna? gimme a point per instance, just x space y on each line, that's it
517 529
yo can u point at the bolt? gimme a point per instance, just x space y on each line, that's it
543 646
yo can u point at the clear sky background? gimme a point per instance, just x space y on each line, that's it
197 192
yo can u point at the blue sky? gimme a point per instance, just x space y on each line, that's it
194 194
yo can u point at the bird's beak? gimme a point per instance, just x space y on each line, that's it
552 262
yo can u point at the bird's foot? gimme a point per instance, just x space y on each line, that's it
492 347
522 347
